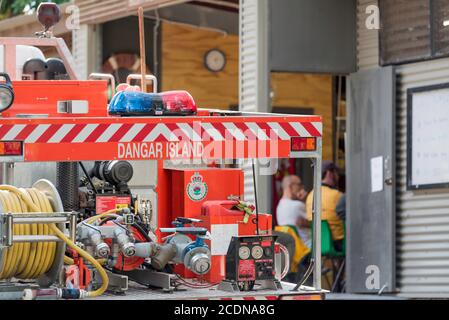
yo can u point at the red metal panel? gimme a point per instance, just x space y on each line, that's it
62 139
42 96
220 213
183 205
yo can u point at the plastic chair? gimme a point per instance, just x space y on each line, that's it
327 244
328 251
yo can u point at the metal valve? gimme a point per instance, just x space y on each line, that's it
127 247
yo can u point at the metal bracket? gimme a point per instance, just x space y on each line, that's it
270 284
232 286
6 230
229 286
151 278
118 284
139 77
8 220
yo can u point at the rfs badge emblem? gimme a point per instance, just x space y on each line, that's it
196 188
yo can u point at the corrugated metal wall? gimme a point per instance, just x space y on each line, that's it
367 40
422 217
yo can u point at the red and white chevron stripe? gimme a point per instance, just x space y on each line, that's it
145 132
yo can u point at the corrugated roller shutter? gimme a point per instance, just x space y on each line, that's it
95 11
407 30
248 55
440 27
80 50
422 217
248 75
87 49
99 11
367 39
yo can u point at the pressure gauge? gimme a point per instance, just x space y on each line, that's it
244 253
257 252
267 251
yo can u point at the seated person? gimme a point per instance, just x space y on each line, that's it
330 197
291 210
291 219
341 208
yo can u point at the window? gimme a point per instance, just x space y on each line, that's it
413 30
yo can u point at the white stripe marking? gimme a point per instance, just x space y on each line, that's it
13 132
109 132
168 134
37 133
159 129
300 129
260 134
276 127
189 132
212 132
234 131
132 133
318 126
82 136
61 133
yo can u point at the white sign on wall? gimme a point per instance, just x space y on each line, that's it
377 174
428 137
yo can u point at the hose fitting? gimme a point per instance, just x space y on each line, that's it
127 247
102 250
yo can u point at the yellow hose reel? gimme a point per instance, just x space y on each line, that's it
32 238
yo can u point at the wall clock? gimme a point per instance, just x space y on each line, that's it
215 60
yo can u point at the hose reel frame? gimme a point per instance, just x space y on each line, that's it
59 217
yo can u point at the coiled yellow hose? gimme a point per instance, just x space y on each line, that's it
31 260
27 260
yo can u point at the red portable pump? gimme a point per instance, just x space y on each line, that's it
224 220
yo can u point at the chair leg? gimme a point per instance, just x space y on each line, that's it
325 272
326 277
324 269
337 281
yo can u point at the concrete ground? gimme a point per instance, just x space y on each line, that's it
348 296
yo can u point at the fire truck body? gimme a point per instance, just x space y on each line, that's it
178 164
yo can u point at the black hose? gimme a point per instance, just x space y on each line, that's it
135 225
255 198
142 231
306 275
